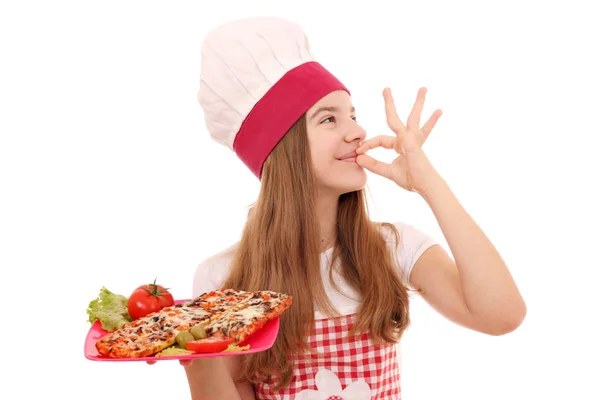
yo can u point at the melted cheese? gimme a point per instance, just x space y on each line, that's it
236 319
249 313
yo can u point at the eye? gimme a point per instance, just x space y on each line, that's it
354 118
328 118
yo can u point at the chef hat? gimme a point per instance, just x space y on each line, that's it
257 78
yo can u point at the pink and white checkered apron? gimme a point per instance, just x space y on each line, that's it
342 365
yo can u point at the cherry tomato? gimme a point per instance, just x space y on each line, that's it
147 299
209 345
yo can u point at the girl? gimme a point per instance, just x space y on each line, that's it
309 235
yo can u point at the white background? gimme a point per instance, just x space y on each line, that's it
109 178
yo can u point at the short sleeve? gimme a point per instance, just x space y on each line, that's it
412 244
212 272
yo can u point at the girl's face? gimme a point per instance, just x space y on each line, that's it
333 136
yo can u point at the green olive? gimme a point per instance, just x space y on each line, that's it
198 332
183 337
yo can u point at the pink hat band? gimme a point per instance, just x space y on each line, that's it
277 111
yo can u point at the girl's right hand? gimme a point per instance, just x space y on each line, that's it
185 363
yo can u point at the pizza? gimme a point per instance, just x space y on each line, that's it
245 318
227 313
220 300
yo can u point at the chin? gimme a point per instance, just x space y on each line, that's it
350 182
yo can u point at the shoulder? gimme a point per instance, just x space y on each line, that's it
212 271
402 233
406 243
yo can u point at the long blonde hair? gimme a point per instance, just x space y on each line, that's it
279 250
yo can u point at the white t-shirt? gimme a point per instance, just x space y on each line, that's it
213 271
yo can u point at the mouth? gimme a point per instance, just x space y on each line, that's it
350 157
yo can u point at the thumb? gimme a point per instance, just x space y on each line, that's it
186 363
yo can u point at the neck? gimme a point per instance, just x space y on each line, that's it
326 213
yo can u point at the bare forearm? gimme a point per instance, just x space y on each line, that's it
489 290
210 379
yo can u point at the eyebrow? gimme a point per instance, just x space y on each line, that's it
328 109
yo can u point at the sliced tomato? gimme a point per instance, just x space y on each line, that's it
209 345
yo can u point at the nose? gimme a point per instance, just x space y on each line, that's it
355 132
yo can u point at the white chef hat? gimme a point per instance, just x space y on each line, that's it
257 78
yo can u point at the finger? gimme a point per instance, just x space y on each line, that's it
151 362
186 363
393 120
387 142
414 118
430 124
373 165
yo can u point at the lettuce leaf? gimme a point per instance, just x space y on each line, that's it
173 351
233 348
110 309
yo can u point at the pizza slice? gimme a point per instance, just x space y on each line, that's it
151 334
244 319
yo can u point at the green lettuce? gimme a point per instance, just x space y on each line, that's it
173 351
110 309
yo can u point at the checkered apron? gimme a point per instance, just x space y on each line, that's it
341 368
